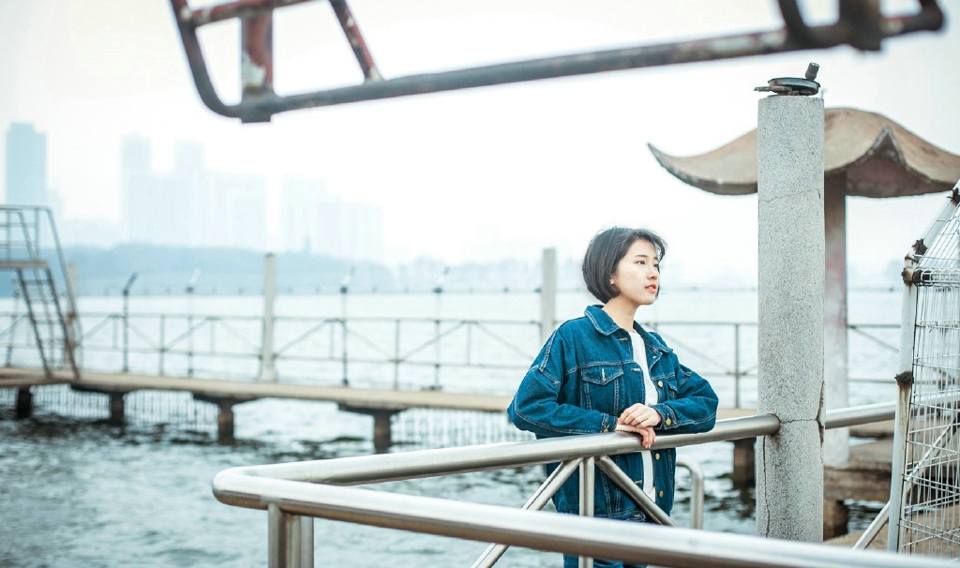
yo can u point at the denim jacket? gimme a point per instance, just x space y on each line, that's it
584 378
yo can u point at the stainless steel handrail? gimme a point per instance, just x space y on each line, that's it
284 487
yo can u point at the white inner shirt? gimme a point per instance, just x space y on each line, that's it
651 396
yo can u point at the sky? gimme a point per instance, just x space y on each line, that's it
480 174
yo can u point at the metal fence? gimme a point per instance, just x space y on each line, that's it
409 353
925 493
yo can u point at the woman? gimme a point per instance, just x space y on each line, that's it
603 372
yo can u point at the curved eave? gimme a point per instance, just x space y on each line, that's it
879 157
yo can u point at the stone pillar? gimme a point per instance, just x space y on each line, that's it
836 442
790 327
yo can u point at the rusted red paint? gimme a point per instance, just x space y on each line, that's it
860 24
357 43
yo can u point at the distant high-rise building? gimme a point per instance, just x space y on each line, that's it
300 202
238 217
138 188
26 161
315 221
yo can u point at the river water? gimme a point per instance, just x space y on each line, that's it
77 491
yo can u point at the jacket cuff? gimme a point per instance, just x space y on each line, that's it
608 423
668 420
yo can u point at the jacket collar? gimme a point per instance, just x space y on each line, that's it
605 325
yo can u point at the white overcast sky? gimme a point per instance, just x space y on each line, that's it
480 174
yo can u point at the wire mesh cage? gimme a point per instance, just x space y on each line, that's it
929 479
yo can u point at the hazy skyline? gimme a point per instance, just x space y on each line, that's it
478 174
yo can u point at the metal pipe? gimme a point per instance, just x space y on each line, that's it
639 543
696 491
904 386
537 501
276 537
381 468
624 482
350 28
796 36
587 479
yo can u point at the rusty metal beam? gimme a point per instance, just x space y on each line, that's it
860 24
357 43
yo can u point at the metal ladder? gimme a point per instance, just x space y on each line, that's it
55 326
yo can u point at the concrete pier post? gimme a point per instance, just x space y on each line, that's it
24 402
548 294
790 326
225 421
836 442
744 463
117 410
268 372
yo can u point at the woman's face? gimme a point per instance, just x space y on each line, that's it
637 277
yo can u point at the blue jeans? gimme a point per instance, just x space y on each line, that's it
574 561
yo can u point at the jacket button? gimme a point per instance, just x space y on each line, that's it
661 493
656 456
668 422
660 384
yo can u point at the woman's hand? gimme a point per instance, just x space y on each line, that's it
640 415
647 435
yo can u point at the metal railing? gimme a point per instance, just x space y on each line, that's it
381 352
294 493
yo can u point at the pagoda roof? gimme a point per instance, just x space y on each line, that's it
879 157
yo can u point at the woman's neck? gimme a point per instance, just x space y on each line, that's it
622 313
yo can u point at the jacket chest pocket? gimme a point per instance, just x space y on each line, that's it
601 386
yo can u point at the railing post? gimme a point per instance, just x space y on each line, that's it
191 286
438 293
790 323
276 537
396 354
587 478
344 288
268 372
126 323
548 294
901 423
289 539
736 365
163 346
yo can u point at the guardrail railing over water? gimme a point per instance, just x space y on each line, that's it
293 494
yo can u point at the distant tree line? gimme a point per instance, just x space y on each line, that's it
168 270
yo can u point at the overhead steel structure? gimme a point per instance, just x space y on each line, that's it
860 24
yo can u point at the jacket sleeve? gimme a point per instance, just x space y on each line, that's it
695 407
537 405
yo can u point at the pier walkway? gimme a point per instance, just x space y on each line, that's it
382 404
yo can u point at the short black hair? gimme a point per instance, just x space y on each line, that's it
605 251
